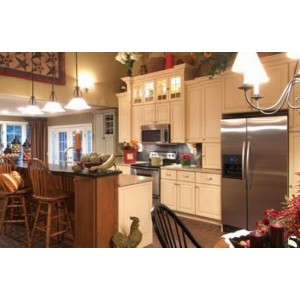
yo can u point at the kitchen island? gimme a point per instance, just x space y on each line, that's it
94 203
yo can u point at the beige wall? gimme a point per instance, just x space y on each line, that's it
101 65
84 118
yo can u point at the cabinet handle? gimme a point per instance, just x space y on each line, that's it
209 178
168 174
185 176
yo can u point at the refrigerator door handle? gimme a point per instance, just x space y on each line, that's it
248 165
243 164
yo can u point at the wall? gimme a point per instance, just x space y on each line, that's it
102 66
82 118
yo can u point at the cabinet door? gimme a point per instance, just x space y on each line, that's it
161 86
186 197
162 113
137 93
208 201
233 99
177 122
211 155
148 114
175 87
194 117
136 122
168 191
124 169
211 117
99 134
294 163
149 96
124 119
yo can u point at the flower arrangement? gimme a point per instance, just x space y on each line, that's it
213 63
185 156
289 217
128 58
132 145
185 159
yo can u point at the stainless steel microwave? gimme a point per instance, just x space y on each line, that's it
155 134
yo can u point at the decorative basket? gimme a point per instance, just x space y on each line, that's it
129 156
154 64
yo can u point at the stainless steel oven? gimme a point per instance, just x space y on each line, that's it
149 171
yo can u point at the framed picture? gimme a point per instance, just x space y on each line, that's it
40 65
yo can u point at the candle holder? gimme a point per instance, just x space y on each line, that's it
276 235
256 239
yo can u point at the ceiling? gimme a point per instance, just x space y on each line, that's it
9 106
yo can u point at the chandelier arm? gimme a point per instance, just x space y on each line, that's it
297 99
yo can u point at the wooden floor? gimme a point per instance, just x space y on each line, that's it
207 234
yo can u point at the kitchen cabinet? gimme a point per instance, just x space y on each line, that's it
208 195
294 162
136 123
179 192
105 131
156 114
136 200
211 155
124 117
177 121
124 169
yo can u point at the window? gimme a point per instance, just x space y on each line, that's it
60 138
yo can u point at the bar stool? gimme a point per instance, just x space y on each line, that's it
15 200
52 216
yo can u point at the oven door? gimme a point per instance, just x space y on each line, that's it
148 172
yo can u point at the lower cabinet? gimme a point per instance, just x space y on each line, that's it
211 155
192 192
124 169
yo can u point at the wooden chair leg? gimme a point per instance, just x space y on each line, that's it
69 223
26 219
48 228
3 215
34 224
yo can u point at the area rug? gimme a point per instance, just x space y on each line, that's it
19 64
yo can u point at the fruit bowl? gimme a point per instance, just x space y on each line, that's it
241 241
88 165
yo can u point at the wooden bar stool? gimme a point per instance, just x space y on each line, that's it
14 200
52 216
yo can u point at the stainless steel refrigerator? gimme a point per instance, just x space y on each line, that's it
254 151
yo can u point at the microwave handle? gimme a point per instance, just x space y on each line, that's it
166 135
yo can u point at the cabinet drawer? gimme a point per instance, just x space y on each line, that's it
208 178
186 176
168 174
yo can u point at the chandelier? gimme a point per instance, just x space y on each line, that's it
254 73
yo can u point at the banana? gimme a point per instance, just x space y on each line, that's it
106 165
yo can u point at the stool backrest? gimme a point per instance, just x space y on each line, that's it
41 179
6 165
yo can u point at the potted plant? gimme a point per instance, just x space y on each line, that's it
129 151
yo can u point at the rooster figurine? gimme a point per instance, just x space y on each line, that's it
120 240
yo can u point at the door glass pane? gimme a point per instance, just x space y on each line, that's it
53 149
12 132
62 145
89 141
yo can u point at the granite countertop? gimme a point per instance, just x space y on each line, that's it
191 169
125 180
68 170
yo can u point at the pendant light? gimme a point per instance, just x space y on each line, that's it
32 108
52 106
77 102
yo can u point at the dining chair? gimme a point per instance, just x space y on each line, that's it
170 230
15 197
52 216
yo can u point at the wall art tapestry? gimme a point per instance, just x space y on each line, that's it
19 64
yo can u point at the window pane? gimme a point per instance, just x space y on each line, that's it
62 145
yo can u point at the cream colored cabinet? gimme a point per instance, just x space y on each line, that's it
211 155
178 190
136 200
143 92
136 122
208 195
124 169
204 110
156 114
294 161
177 122
124 117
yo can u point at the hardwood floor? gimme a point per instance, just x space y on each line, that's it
207 235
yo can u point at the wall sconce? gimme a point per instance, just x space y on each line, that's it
86 81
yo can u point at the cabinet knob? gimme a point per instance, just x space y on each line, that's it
290 186
209 178
168 174
185 176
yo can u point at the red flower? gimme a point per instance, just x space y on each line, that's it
185 156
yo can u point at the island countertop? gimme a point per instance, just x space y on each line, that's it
125 180
63 169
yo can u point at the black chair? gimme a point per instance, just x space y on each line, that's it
170 230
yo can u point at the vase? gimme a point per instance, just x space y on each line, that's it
170 60
129 156
185 162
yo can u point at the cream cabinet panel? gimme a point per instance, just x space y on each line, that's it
168 191
211 120
194 115
186 197
233 99
177 122
168 174
124 169
148 114
211 155
136 122
294 160
136 200
156 114
124 118
208 201
186 176
272 90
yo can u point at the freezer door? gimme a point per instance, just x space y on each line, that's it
267 165
233 183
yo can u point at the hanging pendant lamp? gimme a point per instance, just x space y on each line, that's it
32 108
52 106
77 102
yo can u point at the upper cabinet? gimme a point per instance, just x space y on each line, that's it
124 117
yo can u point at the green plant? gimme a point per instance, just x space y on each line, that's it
213 63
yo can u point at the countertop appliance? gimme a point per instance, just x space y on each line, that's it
254 151
155 134
150 170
